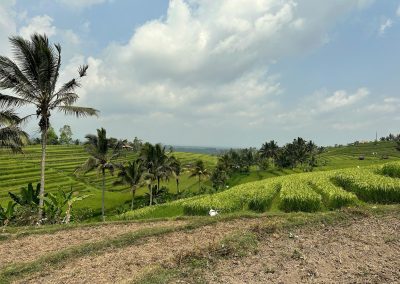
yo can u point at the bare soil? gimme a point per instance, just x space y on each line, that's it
119 265
362 250
366 251
34 246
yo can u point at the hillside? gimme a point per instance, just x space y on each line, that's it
17 170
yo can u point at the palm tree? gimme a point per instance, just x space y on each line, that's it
131 175
269 150
199 171
33 79
157 163
176 171
11 135
102 157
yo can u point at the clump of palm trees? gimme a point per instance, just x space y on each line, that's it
152 166
33 78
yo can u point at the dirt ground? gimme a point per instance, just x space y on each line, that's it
31 247
367 251
363 250
118 265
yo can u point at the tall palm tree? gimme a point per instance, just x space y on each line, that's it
269 150
176 167
102 157
33 80
11 135
131 175
199 171
157 163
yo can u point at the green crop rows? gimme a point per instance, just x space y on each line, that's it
307 192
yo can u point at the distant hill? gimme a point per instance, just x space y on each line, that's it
198 149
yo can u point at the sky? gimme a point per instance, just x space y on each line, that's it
229 73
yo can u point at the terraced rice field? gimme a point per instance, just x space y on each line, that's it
308 192
18 170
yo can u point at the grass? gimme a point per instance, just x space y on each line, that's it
309 192
20 169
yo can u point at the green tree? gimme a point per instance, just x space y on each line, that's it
219 177
66 135
131 175
157 163
176 171
199 171
52 138
102 158
33 79
11 135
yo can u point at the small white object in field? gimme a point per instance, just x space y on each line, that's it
358 167
213 212
227 186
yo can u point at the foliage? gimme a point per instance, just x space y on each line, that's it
33 78
56 203
103 154
131 175
199 171
11 135
28 196
391 170
7 213
65 135
52 138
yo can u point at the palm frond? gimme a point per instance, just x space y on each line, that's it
11 101
11 77
90 164
78 111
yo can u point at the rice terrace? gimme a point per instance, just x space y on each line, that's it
181 141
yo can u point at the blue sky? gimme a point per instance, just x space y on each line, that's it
224 72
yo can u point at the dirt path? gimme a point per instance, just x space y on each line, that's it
114 266
367 251
32 247
362 250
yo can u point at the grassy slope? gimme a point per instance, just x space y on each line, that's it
333 158
18 170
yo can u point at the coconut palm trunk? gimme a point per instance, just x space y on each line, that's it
151 194
103 185
133 195
177 186
42 175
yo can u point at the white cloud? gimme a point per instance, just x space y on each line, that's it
398 11
387 24
205 65
81 4
341 99
8 25
38 24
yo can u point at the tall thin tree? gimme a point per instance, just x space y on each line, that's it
33 80
131 175
199 171
102 157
